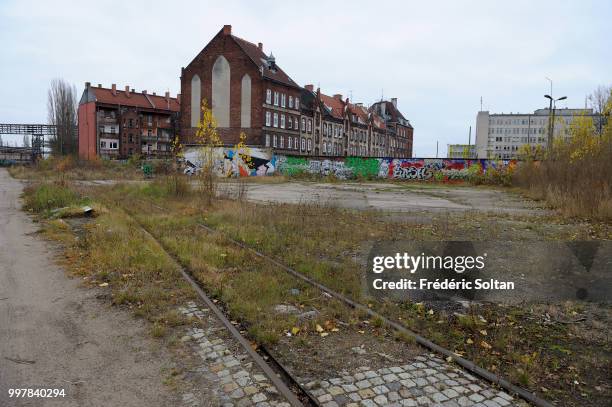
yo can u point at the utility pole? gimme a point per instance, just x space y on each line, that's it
436 148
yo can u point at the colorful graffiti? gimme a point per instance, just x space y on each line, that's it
227 162
391 168
258 162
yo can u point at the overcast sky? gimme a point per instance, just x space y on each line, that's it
437 57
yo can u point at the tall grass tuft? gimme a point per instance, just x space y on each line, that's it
575 176
49 196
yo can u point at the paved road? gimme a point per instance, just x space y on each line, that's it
55 334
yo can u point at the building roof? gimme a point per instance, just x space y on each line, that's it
360 111
393 113
261 60
132 99
336 105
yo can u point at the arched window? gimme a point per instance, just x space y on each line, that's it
196 100
245 101
221 91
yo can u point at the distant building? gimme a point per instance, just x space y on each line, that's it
249 93
461 151
502 135
120 123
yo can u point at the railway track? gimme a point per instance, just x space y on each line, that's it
289 381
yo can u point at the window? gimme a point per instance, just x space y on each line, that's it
303 124
283 100
282 121
324 147
289 140
267 140
297 103
295 123
309 125
325 129
275 98
309 144
149 133
282 142
296 144
303 143
113 144
103 144
274 141
290 123
275 119
130 122
290 102
269 96
268 119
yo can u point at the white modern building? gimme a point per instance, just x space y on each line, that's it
500 135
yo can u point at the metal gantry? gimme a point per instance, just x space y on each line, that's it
36 131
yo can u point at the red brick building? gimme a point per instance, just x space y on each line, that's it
249 93
120 123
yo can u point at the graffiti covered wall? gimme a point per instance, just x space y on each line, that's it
258 161
390 168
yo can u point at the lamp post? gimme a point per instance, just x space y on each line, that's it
551 118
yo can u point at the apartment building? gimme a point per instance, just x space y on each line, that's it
249 93
120 123
400 132
461 151
501 135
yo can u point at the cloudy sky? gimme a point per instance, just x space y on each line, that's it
438 57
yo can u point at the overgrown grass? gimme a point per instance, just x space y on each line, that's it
328 244
48 196
575 176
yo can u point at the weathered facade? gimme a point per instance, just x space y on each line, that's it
249 93
120 123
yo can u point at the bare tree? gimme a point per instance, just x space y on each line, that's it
62 111
599 100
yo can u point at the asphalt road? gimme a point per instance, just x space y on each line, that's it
55 334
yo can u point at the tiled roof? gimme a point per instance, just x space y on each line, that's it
391 110
360 111
336 105
260 59
135 99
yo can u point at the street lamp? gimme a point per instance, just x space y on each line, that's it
551 117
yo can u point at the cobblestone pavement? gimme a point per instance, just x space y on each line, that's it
224 363
428 381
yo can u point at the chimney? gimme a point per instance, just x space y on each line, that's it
99 85
144 92
114 89
309 87
133 90
154 94
87 85
178 98
338 96
167 95
394 101
260 46
127 91
227 30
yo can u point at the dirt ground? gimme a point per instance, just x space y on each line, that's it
54 334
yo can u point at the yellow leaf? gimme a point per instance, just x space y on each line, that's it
469 341
485 345
295 330
324 334
483 332
103 285
319 328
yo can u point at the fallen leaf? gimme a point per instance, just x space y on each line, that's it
103 285
469 341
485 345
295 330
324 334
319 328
483 332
